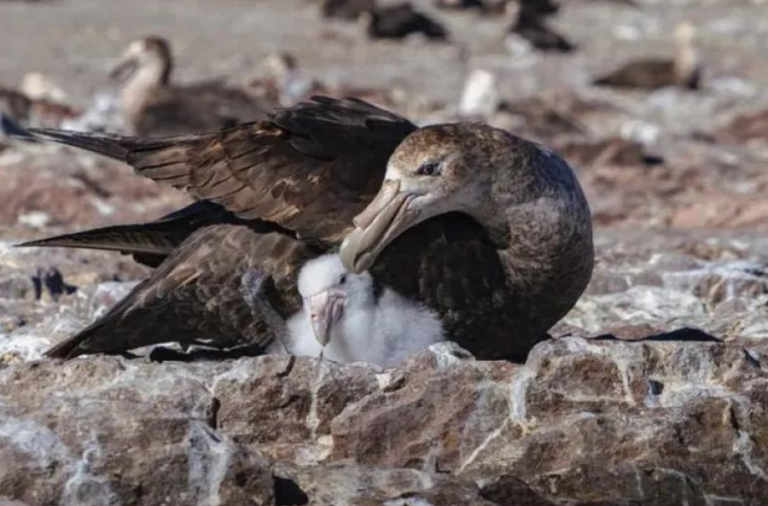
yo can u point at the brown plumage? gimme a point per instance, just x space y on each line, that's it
150 243
497 296
192 296
684 70
482 6
151 105
321 158
325 157
503 251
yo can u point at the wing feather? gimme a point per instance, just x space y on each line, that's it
194 296
150 243
325 157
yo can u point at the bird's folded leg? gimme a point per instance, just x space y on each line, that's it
252 285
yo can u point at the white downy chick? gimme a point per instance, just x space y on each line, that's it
347 318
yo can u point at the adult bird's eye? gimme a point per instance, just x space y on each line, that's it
429 169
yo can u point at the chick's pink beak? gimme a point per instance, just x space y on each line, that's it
325 310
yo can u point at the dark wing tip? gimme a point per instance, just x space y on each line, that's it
56 241
65 350
112 146
53 134
30 244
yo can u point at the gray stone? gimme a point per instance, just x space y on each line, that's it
356 485
107 431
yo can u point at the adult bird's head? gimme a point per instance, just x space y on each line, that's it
468 168
149 57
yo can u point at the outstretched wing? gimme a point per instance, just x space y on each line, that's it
195 295
310 168
150 243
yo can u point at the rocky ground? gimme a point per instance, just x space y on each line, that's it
653 390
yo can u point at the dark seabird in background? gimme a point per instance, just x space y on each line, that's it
482 6
683 70
152 106
531 25
348 10
399 21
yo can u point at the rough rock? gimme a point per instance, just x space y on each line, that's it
426 420
355 485
662 422
92 433
284 407
718 283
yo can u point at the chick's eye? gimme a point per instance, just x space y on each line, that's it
429 169
343 279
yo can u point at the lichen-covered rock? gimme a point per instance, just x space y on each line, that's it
435 414
30 326
107 431
717 284
662 422
284 406
49 186
47 294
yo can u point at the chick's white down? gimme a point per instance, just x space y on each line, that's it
382 329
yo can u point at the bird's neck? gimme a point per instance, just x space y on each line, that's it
512 197
686 60
551 214
144 84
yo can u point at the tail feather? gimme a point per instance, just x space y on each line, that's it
148 245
